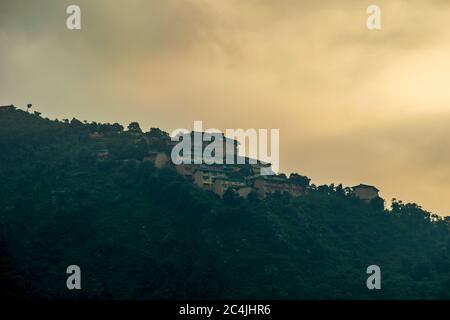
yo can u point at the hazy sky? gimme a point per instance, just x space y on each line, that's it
352 105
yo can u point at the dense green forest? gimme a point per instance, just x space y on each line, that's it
143 233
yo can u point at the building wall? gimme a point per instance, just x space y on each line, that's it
6 108
244 191
185 170
198 178
198 150
221 186
205 179
264 187
365 194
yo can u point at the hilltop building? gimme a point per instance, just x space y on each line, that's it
7 108
265 185
205 176
197 155
221 185
186 170
365 192
244 176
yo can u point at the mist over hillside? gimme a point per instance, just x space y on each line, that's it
139 232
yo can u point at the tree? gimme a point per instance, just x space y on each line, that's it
110 128
76 122
299 179
117 127
134 127
231 196
316 246
377 203
157 133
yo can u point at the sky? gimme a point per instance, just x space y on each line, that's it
352 105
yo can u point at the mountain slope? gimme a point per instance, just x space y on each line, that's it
143 233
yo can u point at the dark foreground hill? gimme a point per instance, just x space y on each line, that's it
143 233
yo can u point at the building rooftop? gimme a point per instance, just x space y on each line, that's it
231 179
271 178
209 169
365 186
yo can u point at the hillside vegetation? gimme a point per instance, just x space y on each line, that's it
143 233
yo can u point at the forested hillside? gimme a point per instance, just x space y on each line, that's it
143 233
